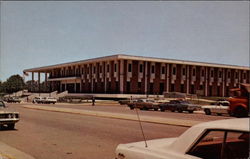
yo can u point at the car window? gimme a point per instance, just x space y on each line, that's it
222 145
224 104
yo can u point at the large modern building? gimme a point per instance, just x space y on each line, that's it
125 74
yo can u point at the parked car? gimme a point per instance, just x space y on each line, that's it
179 105
221 139
127 101
8 118
144 104
45 100
13 100
37 100
219 107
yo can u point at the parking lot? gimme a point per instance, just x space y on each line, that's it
47 134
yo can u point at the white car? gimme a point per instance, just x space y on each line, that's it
220 107
44 100
222 139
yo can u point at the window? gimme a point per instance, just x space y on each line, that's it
100 69
162 70
183 71
94 69
228 74
108 68
220 74
115 67
236 75
152 69
174 70
139 85
182 88
244 75
212 73
128 87
219 144
202 73
172 87
162 88
130 67
194 71
141 68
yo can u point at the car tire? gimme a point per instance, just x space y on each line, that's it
162 110
190 111
155 109
11 126
179 110
207 112
131 108
240 112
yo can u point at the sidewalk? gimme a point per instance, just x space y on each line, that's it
8 152
143 118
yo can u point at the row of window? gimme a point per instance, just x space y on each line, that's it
163 71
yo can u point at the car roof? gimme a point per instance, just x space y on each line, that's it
241 124
183 143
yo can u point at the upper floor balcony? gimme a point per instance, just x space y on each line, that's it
64 77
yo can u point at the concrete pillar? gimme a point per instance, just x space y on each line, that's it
188 84
60 86
65 86
81 86
39 78
39 86
32 81
75 86
121 67
168 76
46 80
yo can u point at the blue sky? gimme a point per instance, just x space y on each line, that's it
40 33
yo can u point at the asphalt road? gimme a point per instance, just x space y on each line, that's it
54 135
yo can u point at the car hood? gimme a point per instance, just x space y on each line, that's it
6 110
157 147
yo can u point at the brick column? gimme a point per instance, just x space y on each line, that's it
146 77
121 67
223 82
187 73
167 84
206 78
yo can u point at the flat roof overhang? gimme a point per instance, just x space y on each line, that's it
63 78
137 58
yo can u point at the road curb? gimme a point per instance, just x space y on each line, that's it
143 118
8 152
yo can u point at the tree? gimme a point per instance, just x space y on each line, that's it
13 84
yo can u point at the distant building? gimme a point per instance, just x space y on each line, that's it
125 74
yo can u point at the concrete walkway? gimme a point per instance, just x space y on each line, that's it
143 118
8 152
